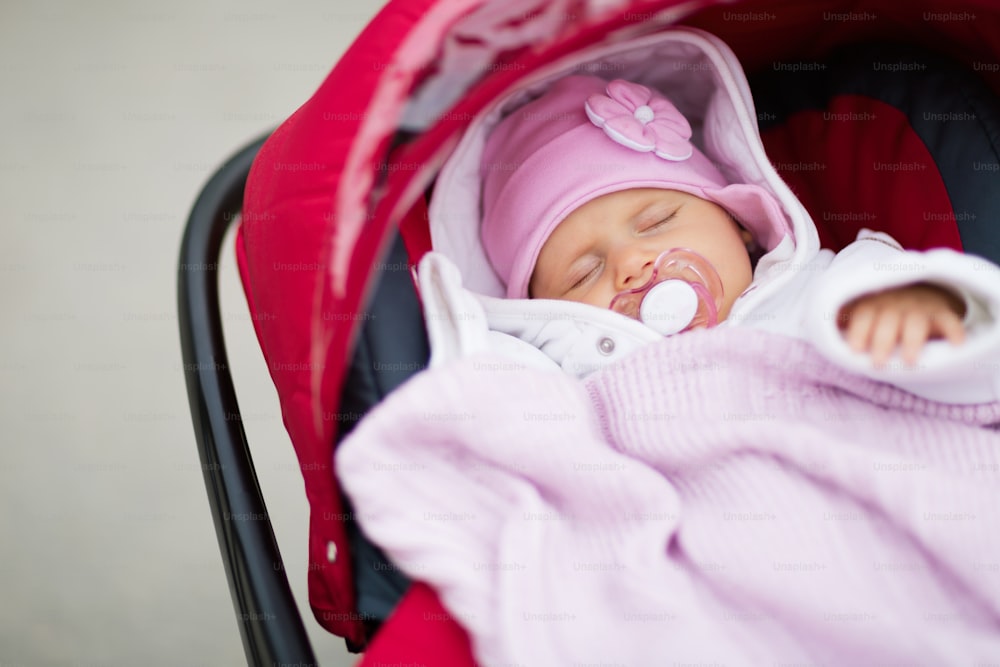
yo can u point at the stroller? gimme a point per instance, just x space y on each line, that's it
334 217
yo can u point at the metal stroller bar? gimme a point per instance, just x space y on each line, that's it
270 624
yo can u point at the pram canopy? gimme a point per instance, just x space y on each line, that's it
357 160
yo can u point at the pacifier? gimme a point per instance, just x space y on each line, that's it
683 292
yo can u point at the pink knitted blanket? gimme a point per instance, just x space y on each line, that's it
721 498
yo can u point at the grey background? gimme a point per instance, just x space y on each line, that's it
113 115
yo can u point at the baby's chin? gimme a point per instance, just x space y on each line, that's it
724 312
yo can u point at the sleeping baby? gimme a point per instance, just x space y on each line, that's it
596 236
595 193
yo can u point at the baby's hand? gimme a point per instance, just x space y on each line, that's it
908 316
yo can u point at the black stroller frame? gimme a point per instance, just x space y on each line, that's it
270 624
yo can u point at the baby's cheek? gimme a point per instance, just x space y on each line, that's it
599 296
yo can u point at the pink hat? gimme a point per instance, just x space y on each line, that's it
586 137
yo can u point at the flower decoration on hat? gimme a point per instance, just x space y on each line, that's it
645 121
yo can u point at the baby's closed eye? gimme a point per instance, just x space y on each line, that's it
656 223
582 275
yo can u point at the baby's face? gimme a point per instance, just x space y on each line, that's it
609 244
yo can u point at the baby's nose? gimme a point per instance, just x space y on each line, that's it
633 268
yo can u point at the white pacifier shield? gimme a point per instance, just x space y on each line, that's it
669 306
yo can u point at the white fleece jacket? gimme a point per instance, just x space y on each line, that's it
578 338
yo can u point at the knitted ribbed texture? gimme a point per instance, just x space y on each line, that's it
724 497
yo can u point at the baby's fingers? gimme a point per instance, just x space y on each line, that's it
885 335
948 325
859 322
916 331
